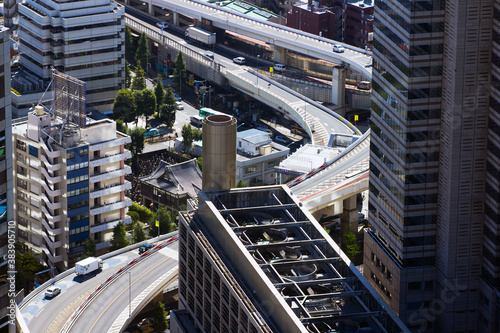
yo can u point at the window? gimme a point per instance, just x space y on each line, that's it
77 166
79 230
84 152
78 179
71 155
78 192
251 169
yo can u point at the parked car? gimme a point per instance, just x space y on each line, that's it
239 60
52 292
280 139
145 247
180 106
177 97
338 48
279 67
152 132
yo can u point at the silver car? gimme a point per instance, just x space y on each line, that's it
239 60
338 48
52 292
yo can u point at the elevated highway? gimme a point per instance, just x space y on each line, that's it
354 58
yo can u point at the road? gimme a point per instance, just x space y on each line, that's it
101 312
49 315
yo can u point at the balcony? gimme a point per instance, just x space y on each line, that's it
111 159
50 229
110 207
50 179
51 167
111 189
110 144
49 191
49 255
50 217
110 174
51 205
48 151
108 225
52 244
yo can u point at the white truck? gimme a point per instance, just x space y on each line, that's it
88 265
200 36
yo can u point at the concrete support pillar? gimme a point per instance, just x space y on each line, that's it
349 218
150 7
176 19
279 55
338 85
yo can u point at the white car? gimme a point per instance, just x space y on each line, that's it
180 106
52 292
239 60
338 48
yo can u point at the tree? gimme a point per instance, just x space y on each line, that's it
119 239
180 73
169 107
241 183
145 215
89 249
137 136
139 234
197 135
350 245
142 53
187 136
128 75
121 126
160 323
129 45
160 94
27 264
134 215
199 161
166 222
139 80
124 105
147 105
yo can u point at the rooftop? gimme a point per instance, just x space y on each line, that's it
280 251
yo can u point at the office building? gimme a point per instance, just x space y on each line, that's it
432 252
69 171
253 260
6 194
84 39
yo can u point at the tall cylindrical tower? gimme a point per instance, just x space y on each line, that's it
219 152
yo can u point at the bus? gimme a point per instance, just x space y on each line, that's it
196 121
205 112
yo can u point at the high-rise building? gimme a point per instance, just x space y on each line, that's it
6 195
434 165
69 171
253 260
84 39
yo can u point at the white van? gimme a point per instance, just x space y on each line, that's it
364 85
279 67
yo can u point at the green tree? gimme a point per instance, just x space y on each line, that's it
137 136
139 80
241 183
142 52
129 45
124 105
350 245
147 104
121 126
199 161
187 136
27 264
145 215
128 75
180 73
160 322
197 135
160 93
134 215
119 239
89 249
166 222
139 234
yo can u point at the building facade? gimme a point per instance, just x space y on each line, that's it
433 167
70 185
84 39
6 194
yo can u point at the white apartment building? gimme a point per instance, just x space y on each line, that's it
83 39
69 184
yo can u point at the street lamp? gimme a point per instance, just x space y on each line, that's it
158 214
162 26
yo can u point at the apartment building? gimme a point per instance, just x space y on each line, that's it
84 39
70 184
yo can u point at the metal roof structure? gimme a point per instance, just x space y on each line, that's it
297 264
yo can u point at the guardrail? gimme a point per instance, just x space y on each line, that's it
71 321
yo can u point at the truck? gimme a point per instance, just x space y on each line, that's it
200 36
89 265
